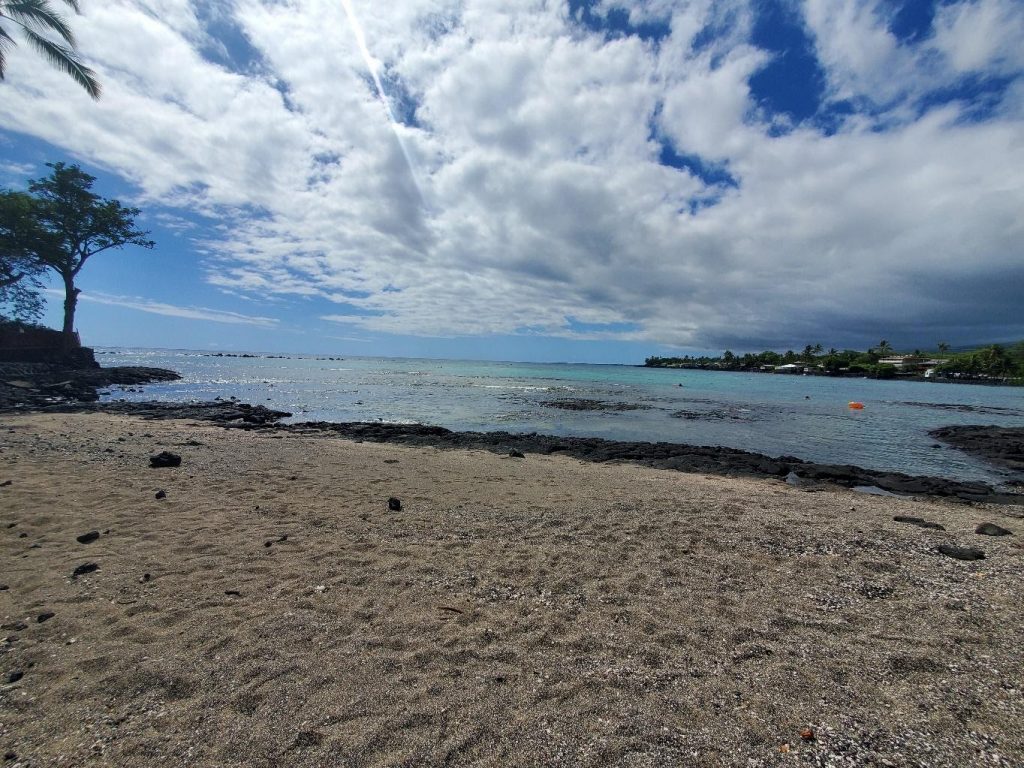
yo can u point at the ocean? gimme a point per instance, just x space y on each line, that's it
803 416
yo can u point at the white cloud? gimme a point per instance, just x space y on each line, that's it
983 34
170 310
527 190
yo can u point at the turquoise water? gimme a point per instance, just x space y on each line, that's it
801 416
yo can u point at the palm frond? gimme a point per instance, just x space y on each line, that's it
6 42
67 61
38 16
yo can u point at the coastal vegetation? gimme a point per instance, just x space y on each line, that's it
58 225
992 363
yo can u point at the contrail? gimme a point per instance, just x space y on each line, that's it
371 65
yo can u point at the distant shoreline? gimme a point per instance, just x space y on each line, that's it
828 375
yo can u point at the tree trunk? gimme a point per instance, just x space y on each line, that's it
70 302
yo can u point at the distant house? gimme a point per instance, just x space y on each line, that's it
909 363
789 368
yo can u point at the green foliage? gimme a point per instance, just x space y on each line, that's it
992 363
61 223
19 270
884 371
47 32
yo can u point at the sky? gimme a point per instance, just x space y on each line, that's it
577 180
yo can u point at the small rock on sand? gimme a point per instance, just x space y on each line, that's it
919 522
961 553
45 616
165 459
394 504
83 569
86 538
161 494
991 529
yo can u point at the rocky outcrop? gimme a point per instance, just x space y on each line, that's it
32 385
582 404
1000 445
224 412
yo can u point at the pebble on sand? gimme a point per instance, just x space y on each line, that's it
83 569
991 529
165 459
961 553
86 538
394 504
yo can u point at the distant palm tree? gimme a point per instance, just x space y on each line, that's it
38 19
884 348
943 347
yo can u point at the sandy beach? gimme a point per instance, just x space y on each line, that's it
270 610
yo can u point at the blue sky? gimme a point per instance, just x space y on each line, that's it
581 180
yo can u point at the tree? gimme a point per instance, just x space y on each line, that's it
884 348
75 224
943 347
19 270
994 360
37 20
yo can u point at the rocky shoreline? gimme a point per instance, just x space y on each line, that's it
53 388
716 460
34 385
999 445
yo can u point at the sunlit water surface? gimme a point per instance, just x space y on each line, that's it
801 416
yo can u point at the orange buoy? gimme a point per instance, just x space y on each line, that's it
856 406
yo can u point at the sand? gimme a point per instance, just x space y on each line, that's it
271 610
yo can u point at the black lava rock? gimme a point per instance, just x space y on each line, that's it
15 676
919 522
394 504
516 454
83 569
161 494
1000 445
45 617
961 553
165 459
991 529
85 538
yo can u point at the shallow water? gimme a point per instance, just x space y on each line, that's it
802 416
